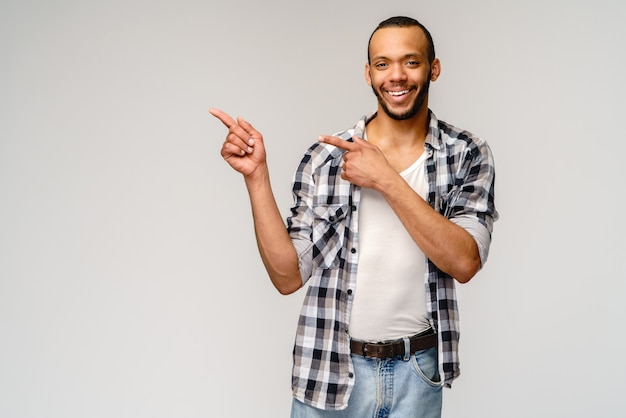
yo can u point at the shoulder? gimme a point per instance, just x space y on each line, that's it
320 153
451 134
460 141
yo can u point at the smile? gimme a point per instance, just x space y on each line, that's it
398 93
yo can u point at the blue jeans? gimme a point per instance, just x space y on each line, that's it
388 388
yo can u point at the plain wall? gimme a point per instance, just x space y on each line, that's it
130 283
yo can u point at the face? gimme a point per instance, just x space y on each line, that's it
399 72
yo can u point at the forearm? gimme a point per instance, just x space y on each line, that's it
275 247
451 248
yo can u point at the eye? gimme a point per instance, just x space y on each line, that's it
413 63
381 65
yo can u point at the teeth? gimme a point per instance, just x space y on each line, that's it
398 93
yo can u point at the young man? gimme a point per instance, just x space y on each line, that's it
387 215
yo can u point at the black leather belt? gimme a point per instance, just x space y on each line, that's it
394 348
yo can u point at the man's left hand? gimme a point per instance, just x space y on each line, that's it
363 163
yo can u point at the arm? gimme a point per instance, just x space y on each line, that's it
450 247
244 150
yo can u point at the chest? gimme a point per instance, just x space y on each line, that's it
400 160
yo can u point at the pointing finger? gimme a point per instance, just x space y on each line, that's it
223 116
237 135
338 142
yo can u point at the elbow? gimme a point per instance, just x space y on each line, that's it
285 276
287 289
287 284
463 278
468 264
467 269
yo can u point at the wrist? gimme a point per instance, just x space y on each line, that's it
257 178
389 184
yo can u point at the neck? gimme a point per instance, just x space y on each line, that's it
385 131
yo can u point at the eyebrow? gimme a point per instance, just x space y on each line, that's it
410 55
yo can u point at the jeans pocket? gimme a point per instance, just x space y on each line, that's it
426 366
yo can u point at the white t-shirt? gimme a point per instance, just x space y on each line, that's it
390 296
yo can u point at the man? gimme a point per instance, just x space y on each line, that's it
387 215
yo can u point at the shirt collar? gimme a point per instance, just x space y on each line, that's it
433 138
359 129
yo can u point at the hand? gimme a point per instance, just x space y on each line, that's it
243 148
363 163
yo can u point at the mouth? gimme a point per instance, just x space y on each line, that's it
397 93
399 97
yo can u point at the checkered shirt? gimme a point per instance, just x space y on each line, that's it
323 226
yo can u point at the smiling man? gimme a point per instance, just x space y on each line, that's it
400 90
387 216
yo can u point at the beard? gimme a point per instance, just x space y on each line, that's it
412 111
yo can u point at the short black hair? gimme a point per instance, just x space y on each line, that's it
403 22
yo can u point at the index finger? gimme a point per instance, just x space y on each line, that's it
223 116
338 142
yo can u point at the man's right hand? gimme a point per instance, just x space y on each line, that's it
243 148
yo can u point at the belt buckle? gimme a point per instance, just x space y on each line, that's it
378 350
366 352
372 350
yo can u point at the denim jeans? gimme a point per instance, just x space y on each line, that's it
388 388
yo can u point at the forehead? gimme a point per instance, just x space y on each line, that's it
398 41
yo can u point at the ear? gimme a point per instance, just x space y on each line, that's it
368 77
435 69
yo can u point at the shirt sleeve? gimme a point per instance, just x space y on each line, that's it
299 223
473 203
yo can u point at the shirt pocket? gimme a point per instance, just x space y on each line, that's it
329 233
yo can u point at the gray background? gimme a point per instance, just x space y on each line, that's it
130 283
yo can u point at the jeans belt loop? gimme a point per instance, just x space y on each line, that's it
407 348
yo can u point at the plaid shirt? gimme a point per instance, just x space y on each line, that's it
324 229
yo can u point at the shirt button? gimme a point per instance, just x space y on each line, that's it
350 375
354 208
353 250
349 291
331 218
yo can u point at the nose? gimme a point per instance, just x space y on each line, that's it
398 73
